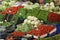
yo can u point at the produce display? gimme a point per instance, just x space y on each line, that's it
48 6
15 34
12 10
34 12
31 5
42 31
6 4
29 21
8 17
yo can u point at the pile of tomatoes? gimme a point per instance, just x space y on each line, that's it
12 10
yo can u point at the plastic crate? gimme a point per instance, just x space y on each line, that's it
58 28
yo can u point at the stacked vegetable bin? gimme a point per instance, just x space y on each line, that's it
30 22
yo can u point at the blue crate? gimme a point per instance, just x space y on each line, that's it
58 28
57 31
50 35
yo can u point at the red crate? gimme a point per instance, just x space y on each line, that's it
53 17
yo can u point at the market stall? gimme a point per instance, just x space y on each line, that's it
24 20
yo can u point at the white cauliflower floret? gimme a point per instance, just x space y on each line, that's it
32 22
29 17
29 21
35 19
39 21
25 20
36 23
47 4
52 5
32 18
35 26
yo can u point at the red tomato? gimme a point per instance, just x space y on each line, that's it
12 10
18 34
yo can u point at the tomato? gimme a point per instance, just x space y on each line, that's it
12 10
18 34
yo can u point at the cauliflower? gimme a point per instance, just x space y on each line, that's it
25 20
29 17
35 26
48 6
32 22
29 21
35 19
52 5
36 23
